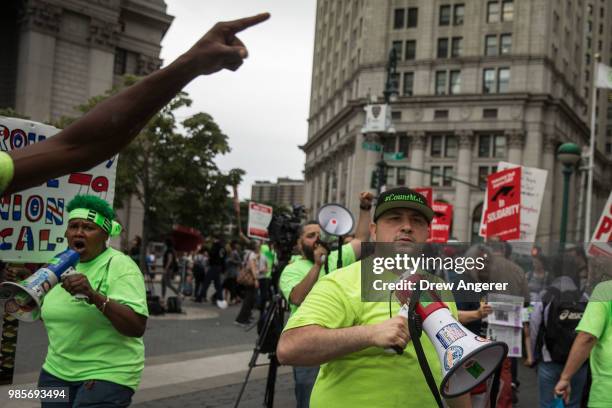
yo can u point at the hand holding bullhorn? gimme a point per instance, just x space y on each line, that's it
24 298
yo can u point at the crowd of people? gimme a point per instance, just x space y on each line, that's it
335 341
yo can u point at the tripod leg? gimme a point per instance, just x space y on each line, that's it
248 374
271 381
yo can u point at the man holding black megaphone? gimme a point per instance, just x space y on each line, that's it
336 328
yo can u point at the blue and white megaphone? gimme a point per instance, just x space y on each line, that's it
23 299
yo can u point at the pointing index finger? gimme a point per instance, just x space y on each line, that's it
246 22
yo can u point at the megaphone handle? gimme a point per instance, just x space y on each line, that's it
339 264
415 335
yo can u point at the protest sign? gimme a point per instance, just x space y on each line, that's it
441 223
503 204
427 192
33 221
260 216
601 243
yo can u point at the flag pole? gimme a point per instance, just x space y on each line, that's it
587 218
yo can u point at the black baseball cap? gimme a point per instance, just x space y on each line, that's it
403 197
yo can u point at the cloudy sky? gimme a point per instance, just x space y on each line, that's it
263 106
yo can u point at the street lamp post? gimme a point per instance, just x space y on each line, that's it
390 95
569 155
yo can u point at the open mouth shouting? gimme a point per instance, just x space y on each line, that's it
79 245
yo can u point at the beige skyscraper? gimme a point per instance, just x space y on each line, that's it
478 82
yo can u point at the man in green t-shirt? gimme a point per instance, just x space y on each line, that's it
594 339
347 337
301 274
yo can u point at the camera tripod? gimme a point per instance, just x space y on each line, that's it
271 328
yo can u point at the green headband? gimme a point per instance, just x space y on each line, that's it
112 228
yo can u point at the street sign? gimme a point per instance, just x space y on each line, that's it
394 156
373 146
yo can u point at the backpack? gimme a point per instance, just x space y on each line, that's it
245 276
173 304
558 330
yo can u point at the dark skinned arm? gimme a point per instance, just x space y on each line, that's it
125 320
112 124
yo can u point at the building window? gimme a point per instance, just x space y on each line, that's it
398 18
443 145
410 49
492 146
395 82
455 82
490 45
389 144
488 81
447 174
408 83
507 10
401 176
436 173
445 15
120 61
458 14
483 172
396 115
440 82
413 17
442 48
608 148
404 145
489 113
436 145
450 146
505 46
441 114
503 80
492 12
495 81
397 46
457 47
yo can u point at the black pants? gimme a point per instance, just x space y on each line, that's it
167 282
213 275
264 293
199 286
247 304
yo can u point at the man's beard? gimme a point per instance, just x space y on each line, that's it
308 252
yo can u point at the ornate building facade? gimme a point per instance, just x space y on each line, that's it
478 82
56 54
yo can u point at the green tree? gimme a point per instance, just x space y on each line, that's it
169 168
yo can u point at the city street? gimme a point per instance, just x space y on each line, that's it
195 359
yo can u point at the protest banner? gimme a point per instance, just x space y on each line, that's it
260 216
441 223
503 215
601 243
34 220
533 184
427 192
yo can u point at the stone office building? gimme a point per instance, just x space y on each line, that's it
478 82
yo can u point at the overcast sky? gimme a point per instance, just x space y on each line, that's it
263 106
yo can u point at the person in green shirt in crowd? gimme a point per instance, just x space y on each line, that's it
112 124
594 341
303 271
347 337
269 255
95 344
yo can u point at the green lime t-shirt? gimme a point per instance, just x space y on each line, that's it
597 321
270 255
298 268
83 344
370 377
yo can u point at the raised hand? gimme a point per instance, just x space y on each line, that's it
219 48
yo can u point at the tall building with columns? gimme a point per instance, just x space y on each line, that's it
56 54
478 82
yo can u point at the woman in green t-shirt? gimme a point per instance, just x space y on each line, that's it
95 352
